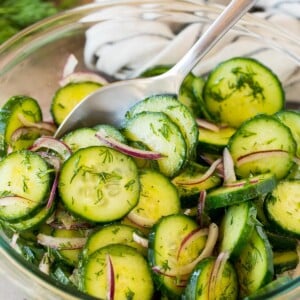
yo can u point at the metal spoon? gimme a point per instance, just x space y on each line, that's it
109 104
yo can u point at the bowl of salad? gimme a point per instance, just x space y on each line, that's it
194 196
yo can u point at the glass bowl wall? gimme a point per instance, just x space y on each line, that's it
32 63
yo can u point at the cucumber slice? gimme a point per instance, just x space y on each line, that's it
27 175
158 133
236 228
191 173
254 265
270 143
165 242
158 198
131 275
189 93
112 234
280 287
70 256
197 88
86 137
68 96
16 107
251 189
33 222
176 111
81 138
190 89
240 88
280 241
198 286
214 141
282 204
285 260
99 184
292 120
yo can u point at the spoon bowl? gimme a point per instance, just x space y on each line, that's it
108 105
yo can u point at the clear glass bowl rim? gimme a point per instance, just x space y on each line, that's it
14 43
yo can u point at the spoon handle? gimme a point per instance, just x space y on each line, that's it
231 14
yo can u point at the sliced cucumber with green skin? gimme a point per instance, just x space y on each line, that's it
280 241
86 137
111 131
236 228
189 91
69 256
169 233
99 184
176 111
187 95
242 190
68 96
81 138
274 289
26 175
189 174
131 277
160 134
143 163
198 287
158 198
214 141
254 265
156 70
285 260
262 144
33 222
282 207
240 88
11 114
292 120
197 88
112 234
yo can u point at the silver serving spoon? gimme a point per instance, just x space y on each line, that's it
109 104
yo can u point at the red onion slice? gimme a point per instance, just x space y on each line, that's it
43 126
110 278
140 220
131 151
140 240
21 131
241 183
176 271
207 125
81 77
201 206
61 243
204 177
52 192
228 166
51 159
190 238
253 156
70 65
53 144
216 273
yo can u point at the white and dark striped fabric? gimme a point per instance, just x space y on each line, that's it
125 50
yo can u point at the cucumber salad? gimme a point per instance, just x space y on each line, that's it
194 197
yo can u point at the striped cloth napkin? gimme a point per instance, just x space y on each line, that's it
125 50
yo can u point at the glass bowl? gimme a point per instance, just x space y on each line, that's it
32 63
